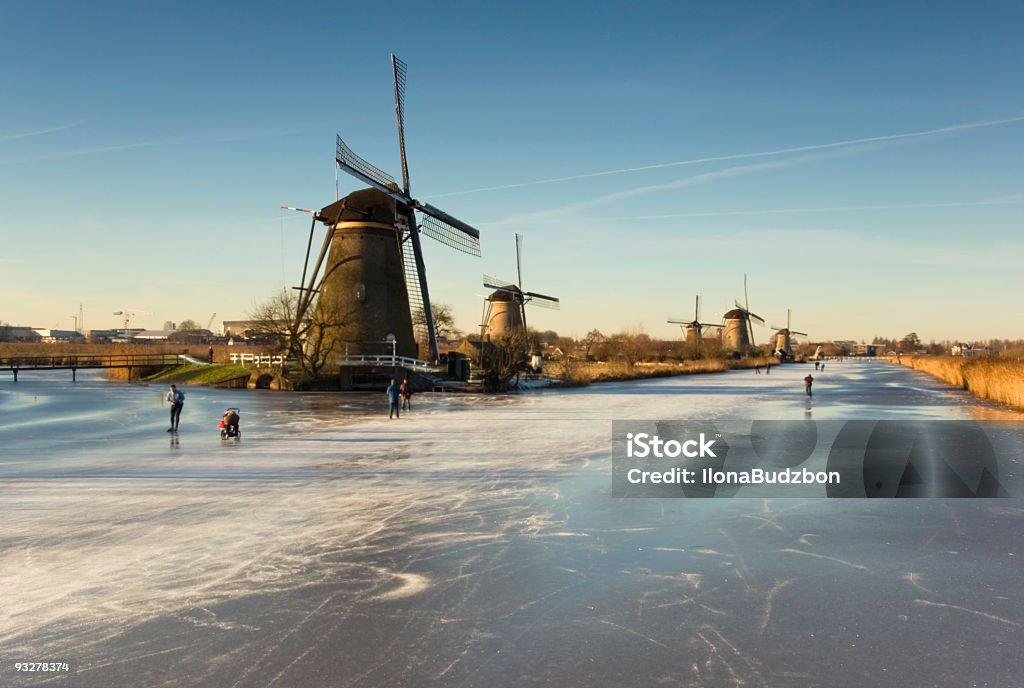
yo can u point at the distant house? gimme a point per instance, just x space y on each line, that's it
968 350
53 336
104 336
867 349
152 335
18 333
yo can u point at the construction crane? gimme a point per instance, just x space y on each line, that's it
127 315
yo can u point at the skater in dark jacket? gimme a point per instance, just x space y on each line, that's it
393 400
177 400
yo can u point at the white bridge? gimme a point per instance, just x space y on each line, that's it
258 360
366 360
387 360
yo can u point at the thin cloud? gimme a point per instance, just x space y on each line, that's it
831 209
742 156
212 137
685 182
38 132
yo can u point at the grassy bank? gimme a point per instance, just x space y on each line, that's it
584 373
201 374
987 378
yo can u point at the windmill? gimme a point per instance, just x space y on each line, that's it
375 277
783 348
694 328
738 335
506 306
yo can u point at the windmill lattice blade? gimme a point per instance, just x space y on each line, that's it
739 305
446 229
363 170
519 258
802 334
495 283
535 295
757 318
543 301
400 71
678 321
697 305
455 222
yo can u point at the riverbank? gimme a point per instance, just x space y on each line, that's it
579 374
198 374
993 379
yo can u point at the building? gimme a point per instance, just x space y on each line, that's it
54 336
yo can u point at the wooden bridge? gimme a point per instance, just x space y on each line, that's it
76 362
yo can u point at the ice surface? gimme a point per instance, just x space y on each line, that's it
474 542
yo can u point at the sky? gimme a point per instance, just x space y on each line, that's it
859 161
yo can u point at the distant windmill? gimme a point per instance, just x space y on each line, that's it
375 276
783 348
738 336
694 328
506 306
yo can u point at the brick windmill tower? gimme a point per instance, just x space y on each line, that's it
374 282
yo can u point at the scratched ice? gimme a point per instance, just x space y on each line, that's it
474 542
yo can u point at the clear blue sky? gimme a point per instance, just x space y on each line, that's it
145 149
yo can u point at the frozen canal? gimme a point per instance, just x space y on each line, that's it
475 542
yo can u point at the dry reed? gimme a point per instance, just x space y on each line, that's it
995 379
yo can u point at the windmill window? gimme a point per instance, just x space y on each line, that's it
360 292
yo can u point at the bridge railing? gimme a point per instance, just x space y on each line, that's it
258 360
386 360
89 361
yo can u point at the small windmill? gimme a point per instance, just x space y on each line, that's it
739 325
375 274
694 329
506 306
783 345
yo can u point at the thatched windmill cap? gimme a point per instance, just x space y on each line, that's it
499 295
380 206
736 314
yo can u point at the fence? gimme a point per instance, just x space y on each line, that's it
258 360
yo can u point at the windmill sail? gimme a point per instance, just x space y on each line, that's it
435 223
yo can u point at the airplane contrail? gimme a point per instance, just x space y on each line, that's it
740 156
39 132
833 209
209 137
693 180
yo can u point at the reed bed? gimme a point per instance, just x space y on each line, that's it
583 373
995 379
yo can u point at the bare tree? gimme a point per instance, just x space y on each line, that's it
593 338
503 359
444 321
313 342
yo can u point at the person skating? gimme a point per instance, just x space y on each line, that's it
405 392
808 381
393 400
177 400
